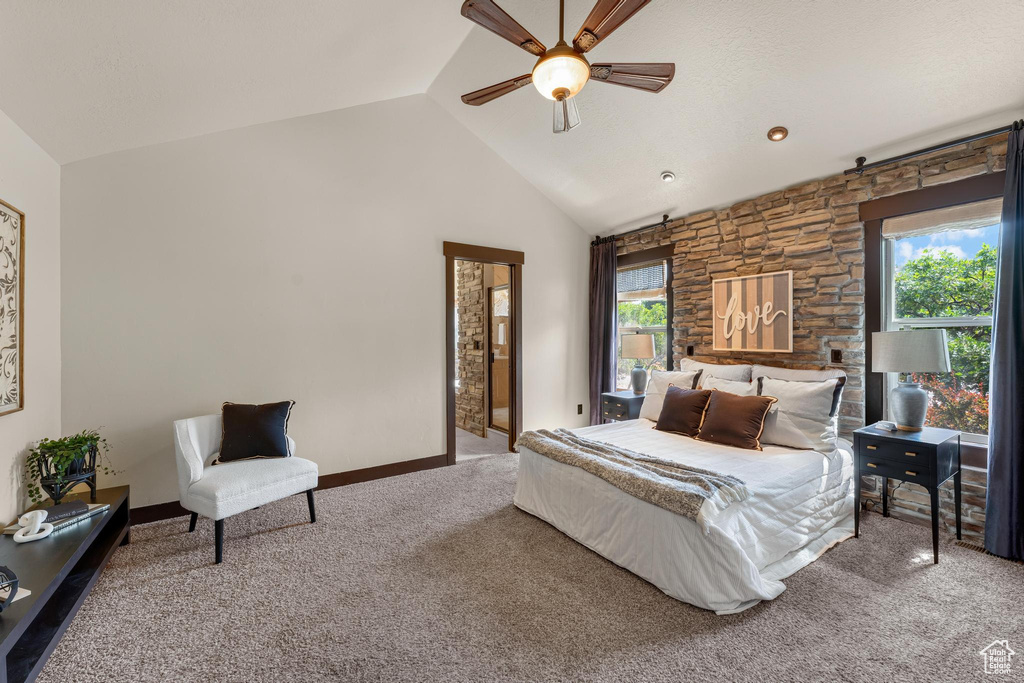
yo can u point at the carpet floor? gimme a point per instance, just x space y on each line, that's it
435 576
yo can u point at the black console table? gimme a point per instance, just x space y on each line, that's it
60 570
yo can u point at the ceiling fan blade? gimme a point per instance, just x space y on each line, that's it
649 77
495 19
606 16
493 92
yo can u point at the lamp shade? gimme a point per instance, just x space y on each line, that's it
910 351
638 346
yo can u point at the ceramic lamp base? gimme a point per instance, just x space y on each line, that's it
908 405
639 377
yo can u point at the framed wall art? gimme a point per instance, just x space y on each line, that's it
12 313
753 313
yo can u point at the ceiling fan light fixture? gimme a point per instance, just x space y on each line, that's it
778 134
561 69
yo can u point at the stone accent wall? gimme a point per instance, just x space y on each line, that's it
472 345
813 229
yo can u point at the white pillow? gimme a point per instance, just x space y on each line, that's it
760 371
737 373
729 386
661 380
802 416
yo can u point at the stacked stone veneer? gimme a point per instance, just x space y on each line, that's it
813 229
471 310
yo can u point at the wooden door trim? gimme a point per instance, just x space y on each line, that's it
455 251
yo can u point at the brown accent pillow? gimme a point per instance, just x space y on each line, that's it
735 420
683 410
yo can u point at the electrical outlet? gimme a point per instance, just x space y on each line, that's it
689 350
579 408
837 355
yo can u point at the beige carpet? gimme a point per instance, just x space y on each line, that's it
435 576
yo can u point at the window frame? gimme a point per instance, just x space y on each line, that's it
663 254
872 213
891 323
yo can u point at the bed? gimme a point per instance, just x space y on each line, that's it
800 505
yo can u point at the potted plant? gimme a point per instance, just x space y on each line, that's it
55 466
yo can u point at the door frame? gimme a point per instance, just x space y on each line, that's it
456 251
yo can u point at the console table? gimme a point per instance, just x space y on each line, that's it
60 570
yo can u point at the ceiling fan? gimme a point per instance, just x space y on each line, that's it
562 71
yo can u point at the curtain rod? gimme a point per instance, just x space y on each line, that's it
660 224
861 166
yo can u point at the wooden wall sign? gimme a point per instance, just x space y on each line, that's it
753 313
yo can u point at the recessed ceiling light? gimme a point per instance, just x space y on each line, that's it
668 176
778 134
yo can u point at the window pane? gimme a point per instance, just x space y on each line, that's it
946 274
960 398
642 307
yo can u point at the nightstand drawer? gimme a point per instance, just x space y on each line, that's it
614 411
898 454
903 472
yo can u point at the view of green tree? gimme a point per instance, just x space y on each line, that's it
642 314
939 284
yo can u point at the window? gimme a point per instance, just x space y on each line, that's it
940 272
642 293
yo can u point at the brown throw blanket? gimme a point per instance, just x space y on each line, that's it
677 488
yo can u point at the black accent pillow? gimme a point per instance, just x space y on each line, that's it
683 410
255 431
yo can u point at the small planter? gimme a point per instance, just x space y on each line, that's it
55 466
79 471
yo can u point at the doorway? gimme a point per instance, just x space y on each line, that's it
484 350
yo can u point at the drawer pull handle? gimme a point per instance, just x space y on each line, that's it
912 454
871 464
872 448
913 474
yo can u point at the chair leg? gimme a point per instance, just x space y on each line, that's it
218 527
312 507
192 522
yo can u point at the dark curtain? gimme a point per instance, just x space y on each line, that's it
1004 509
602 323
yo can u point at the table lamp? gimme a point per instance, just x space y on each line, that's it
640 347
909 351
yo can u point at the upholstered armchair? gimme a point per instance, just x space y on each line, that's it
222 490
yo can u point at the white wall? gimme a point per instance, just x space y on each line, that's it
301 260
30 181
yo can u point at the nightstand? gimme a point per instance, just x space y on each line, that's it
621 405
928 458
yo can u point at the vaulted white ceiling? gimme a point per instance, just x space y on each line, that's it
847 78
94 76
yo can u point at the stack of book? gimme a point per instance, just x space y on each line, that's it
63 515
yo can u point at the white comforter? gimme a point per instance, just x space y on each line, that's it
801 504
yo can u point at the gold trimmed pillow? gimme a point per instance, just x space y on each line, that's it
683 411
734 420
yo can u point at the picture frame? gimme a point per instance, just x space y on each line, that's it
753 313
12 295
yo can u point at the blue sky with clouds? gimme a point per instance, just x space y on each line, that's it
961 243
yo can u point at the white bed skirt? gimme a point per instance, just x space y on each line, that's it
710 570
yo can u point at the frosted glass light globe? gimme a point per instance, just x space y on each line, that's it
561 69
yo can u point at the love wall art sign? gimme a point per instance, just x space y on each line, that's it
754 313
